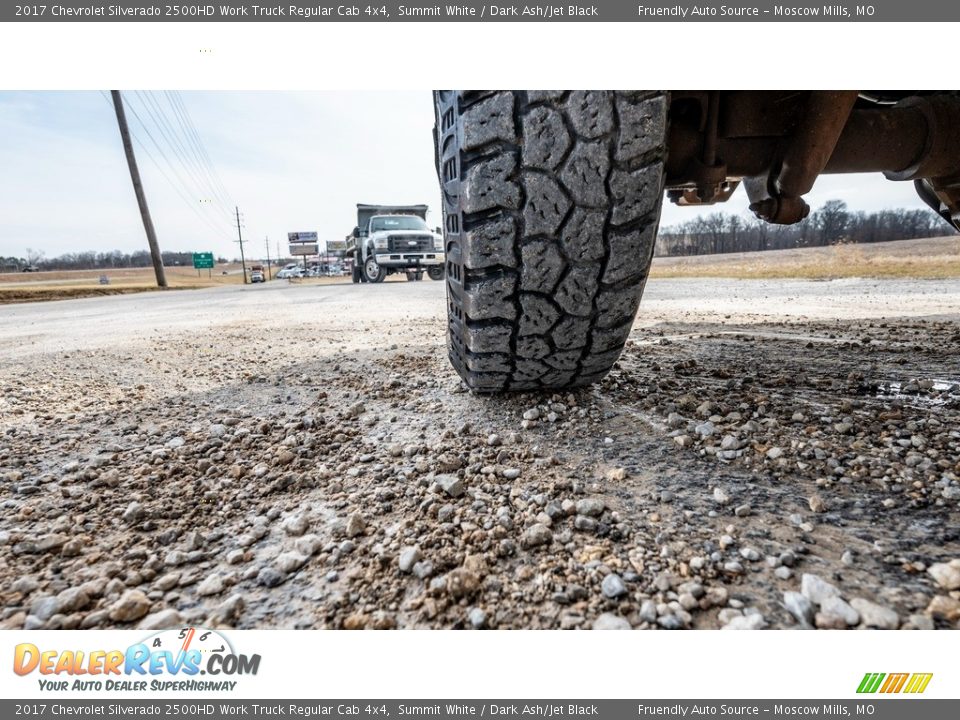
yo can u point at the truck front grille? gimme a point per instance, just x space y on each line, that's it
410 243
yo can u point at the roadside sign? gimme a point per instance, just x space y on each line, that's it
302 237
304 249
202 261
336 245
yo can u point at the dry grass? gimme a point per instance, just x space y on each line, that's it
38 294
934 258
67 284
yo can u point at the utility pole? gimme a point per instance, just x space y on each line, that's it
243 260
138 189
266 242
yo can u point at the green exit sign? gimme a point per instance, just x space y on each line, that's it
202 261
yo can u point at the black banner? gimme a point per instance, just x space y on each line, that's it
476 11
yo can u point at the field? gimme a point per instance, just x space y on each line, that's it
931 258
927 258
66 284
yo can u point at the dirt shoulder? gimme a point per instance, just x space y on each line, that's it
305 457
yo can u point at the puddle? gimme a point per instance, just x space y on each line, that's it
921 393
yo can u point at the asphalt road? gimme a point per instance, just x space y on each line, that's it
283 307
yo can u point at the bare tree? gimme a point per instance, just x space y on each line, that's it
34 256
831 222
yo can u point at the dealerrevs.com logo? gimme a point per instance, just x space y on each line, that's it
887 683
169 660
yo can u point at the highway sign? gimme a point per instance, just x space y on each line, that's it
202 261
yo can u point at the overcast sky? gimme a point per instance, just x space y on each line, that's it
291 161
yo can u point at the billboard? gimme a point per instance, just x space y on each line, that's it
302 237
304 249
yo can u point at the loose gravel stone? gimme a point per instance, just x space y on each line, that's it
291 561
834 608
946 574
612 586
610 621
355 525
875 616
536 535
131 606
816 589
409 557
746 622
270 577
161 620
591 507
799 606
451 485
477 618
212 585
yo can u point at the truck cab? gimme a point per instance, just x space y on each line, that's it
390 239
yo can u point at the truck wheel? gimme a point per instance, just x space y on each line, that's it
551 202
372 272
435 272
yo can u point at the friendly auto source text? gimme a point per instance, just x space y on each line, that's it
694 11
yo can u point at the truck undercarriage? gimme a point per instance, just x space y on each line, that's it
552 201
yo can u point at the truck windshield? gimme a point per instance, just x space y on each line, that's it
396 222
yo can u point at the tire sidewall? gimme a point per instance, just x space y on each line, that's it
381 273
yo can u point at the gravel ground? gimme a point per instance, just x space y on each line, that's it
766 454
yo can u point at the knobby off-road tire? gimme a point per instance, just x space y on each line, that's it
551 204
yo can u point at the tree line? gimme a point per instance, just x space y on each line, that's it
832 224
705 234
90 260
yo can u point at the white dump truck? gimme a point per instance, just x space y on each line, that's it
394 238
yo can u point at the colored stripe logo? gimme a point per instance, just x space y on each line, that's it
910 683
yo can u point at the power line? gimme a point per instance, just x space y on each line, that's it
191 204
177 100
169 133
190 153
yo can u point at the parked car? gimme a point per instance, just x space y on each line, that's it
290 272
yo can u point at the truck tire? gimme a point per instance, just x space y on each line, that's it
357 277
435 272
372 272
551 203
